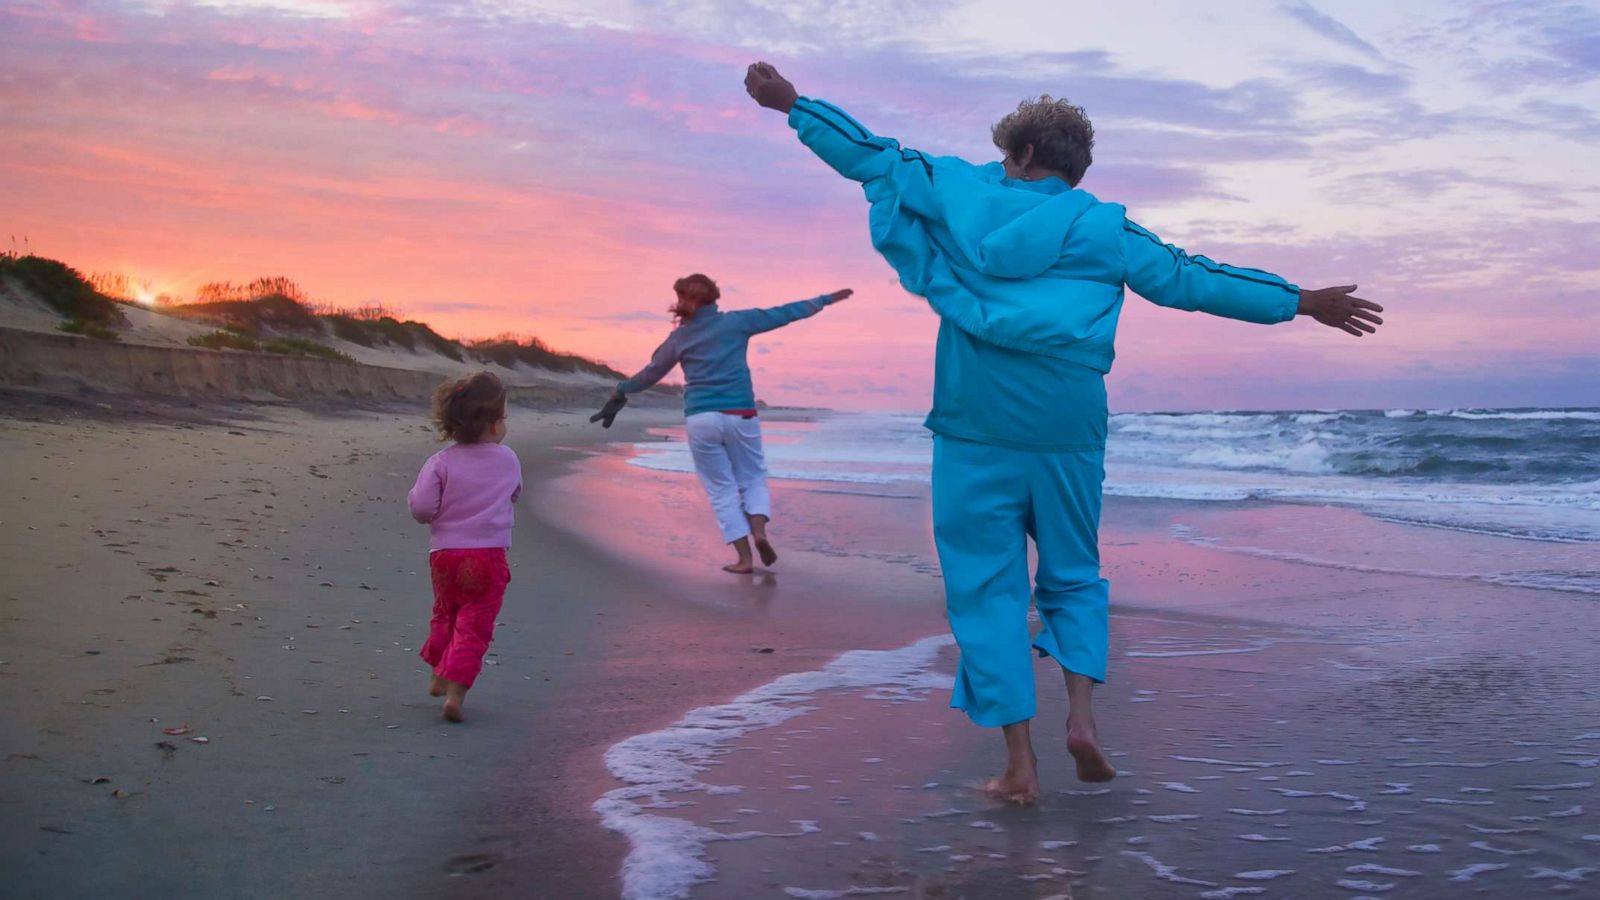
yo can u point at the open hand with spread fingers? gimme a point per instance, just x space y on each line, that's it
1338 307
608 413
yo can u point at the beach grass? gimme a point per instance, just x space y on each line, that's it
352 326
508 350
298 346
270 312
94 330
242 338
63 288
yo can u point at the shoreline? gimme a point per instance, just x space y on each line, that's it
1186 615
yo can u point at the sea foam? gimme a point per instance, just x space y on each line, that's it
667 855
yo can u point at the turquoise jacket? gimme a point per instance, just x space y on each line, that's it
711 347
1028 277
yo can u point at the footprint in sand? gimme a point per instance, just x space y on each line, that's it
472 863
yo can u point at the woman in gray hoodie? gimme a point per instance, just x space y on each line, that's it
720 416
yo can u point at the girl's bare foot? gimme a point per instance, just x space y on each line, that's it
739 568
1085 749
436 687
455 694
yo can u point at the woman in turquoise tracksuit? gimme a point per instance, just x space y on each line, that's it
724 432
1027 275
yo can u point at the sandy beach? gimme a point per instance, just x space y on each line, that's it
248 575
253 583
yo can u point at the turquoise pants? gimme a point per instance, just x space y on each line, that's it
987 501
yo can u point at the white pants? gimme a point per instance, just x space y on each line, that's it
728 459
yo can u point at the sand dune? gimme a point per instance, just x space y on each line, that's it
59 362
153 355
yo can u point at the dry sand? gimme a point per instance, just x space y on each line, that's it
174 570
255 582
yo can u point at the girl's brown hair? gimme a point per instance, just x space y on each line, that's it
686 307
464 409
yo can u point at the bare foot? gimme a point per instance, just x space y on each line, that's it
1085 750
764 547
739 568
455 694
1019 785
436 688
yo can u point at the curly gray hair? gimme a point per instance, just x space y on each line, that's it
1060 132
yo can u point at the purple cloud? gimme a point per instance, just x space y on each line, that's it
1509 42
1329 27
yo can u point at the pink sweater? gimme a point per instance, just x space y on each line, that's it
465 493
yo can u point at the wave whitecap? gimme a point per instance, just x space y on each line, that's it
1523 473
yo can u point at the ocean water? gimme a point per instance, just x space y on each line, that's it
1526 473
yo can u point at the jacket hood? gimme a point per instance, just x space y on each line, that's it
1009 228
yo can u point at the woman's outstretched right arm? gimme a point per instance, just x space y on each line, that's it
661 362
845 144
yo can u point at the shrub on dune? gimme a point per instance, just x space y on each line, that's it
296 346
236 338
89 329
226 340
272 312
64 288
508 350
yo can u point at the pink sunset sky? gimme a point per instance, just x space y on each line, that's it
550 168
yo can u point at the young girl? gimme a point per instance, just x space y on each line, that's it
720 405
464 494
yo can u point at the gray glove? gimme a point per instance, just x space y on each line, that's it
608 413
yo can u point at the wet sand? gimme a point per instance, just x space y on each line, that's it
168 573
1283 727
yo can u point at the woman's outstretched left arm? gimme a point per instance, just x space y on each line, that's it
756 321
